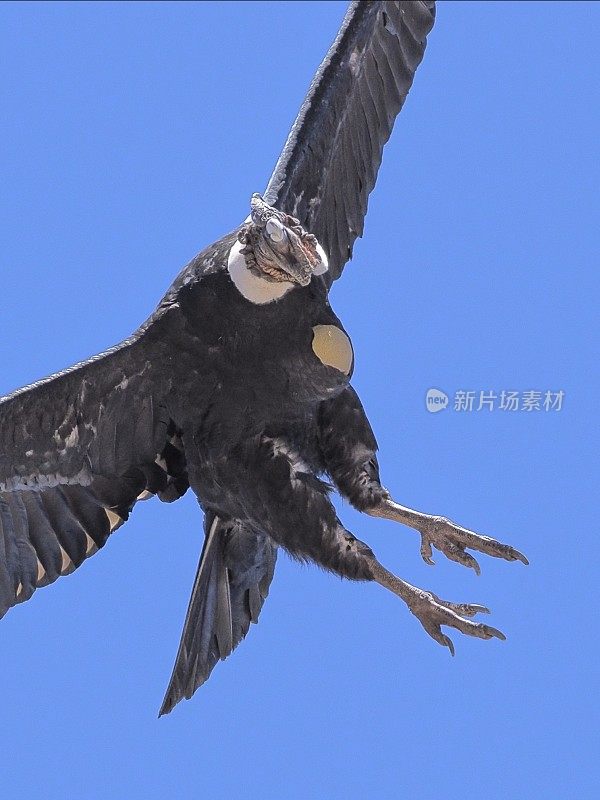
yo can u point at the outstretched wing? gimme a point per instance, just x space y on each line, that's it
329 164
76 452
232 582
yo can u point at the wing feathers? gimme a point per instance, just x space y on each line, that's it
330 161
47 534
90 513
43 539
82 449
65 525
102 417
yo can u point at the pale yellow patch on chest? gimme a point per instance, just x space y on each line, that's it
332 347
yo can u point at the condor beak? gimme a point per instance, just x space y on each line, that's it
286 242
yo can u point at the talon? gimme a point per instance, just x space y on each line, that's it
466 609
436 633
457 554
449 644
449 538
452 540
473 564
426 551
433 612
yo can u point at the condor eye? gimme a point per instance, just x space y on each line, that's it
275 230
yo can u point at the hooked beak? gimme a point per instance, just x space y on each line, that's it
284 244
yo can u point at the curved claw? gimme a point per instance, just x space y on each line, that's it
433 612
465 609
448 537
456 553
472 562
449 644
426 551
436 633
452 551
476 609
478 629
452 540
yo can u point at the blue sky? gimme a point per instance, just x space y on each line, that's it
132 135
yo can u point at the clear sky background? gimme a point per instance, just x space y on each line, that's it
132 135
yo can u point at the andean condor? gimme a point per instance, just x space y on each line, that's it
238 386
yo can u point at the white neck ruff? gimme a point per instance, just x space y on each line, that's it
256 289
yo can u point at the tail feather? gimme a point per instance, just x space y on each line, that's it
232 581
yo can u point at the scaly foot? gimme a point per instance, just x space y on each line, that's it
433 612
451 539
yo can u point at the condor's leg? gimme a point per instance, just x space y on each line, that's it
267 485
349 449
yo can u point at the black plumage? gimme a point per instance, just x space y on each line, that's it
238 386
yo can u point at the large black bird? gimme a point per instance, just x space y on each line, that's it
238 386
